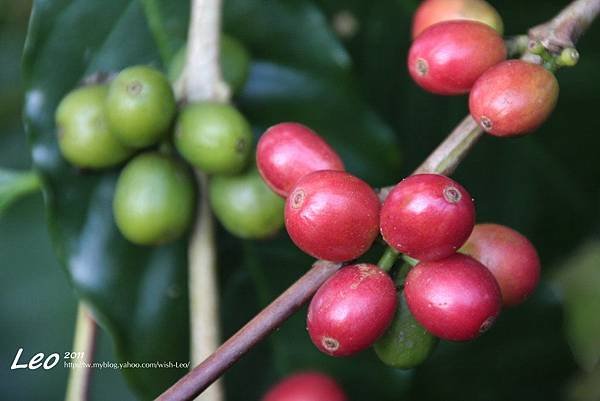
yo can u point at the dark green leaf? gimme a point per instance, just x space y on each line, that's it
138 294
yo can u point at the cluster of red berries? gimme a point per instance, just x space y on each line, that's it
335 216
452 56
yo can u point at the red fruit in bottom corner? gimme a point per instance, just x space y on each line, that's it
332 215
448 57
351 310
287 152
306 386
427 216
455 299
513 98
433 11
510 257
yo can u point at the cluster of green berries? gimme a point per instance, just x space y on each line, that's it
134 118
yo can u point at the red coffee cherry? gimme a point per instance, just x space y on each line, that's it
510 257
448 57
513 98
427 216
431 12
456 298
306 386
332 215
351 310
287 152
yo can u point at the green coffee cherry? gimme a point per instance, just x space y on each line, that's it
154 199
406 343
235 62
214 137
245 205
234 59
83 134
140 106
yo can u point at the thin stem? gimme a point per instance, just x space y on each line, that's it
443 161
402 273
251 334
85 341
388 259
160 34
566 28
17 184
409 260
201 80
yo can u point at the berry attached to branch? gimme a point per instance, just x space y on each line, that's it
351 310
287 152
306 386
513 98
332 215
448 57
510 257
431 12
455 299
427 216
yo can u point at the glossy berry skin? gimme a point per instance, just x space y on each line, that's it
513 98
245 205
510 257
140 106
447 58
455 299
83 134
287 152
214 137
154 199
431 12
332 215
351 310
306 386
405 344
427 216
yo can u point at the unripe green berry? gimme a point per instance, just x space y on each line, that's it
154 199
406 343
214 137
245 205
83 134
235 62
140 106
233 57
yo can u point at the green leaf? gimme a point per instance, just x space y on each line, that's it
579 280
15 185
138 294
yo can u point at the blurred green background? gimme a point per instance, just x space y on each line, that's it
355 90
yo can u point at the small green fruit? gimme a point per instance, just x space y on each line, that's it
245 205
140 106
83 134
154 199
235 62
214 137
406 343
233 57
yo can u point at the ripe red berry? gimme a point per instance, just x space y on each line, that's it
455 298
332 215
513 98
427 216
433 11
510 257
287 152
448 57
306 386
351 310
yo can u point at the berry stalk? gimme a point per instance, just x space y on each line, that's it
201 80
567 26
